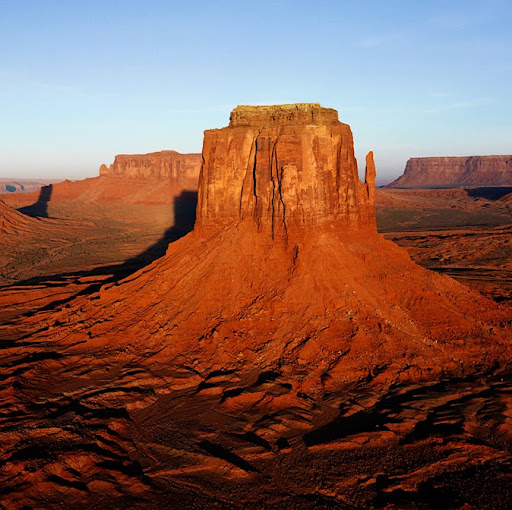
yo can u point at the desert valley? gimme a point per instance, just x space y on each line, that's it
256 327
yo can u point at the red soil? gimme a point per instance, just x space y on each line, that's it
465 233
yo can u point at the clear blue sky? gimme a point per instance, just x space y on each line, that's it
81 81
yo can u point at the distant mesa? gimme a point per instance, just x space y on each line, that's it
155 178
456 171
23 185
181 168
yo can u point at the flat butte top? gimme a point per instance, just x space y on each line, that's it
159 155
459 159
282 114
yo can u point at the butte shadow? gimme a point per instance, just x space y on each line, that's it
90 281
39 209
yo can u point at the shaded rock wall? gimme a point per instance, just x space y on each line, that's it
456 171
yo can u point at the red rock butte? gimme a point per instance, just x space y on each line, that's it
456 171
284 167
284 260
156 165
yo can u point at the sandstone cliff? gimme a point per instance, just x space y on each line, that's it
151 179
284 167
456 171
181 168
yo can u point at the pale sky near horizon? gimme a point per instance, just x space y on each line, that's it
82 81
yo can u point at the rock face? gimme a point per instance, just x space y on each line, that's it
254 369
151 179
157 165
284 167
456 171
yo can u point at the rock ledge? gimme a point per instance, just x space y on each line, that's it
283 114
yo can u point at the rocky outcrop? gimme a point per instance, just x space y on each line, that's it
181 168
151 179
290 171
456 171
284 114
284 167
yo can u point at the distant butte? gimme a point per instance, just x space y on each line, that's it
456 171
182 168
154 178
139 204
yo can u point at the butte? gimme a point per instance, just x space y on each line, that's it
282 324
285 267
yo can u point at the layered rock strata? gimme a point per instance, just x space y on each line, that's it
456 171
284 167
150 179
157 165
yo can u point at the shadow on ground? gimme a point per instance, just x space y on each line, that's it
184 219
489 193
39 209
